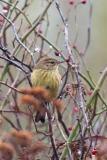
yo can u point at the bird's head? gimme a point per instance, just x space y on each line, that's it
47 63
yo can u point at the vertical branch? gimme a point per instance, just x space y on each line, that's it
55 155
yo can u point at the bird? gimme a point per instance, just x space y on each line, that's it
46 74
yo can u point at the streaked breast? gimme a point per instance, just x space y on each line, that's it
49 79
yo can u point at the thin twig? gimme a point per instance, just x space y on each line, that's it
17 37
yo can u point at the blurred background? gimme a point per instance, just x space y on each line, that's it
38 24
96 55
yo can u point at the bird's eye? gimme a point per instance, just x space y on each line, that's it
52 62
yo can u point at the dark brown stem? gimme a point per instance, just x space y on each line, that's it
55 155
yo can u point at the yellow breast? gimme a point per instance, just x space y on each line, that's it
49 79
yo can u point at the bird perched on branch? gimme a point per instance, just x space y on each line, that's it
46 75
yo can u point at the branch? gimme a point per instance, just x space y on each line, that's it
16 36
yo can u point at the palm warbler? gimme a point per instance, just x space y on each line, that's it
46 74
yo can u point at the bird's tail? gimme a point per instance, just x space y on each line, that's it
40 116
